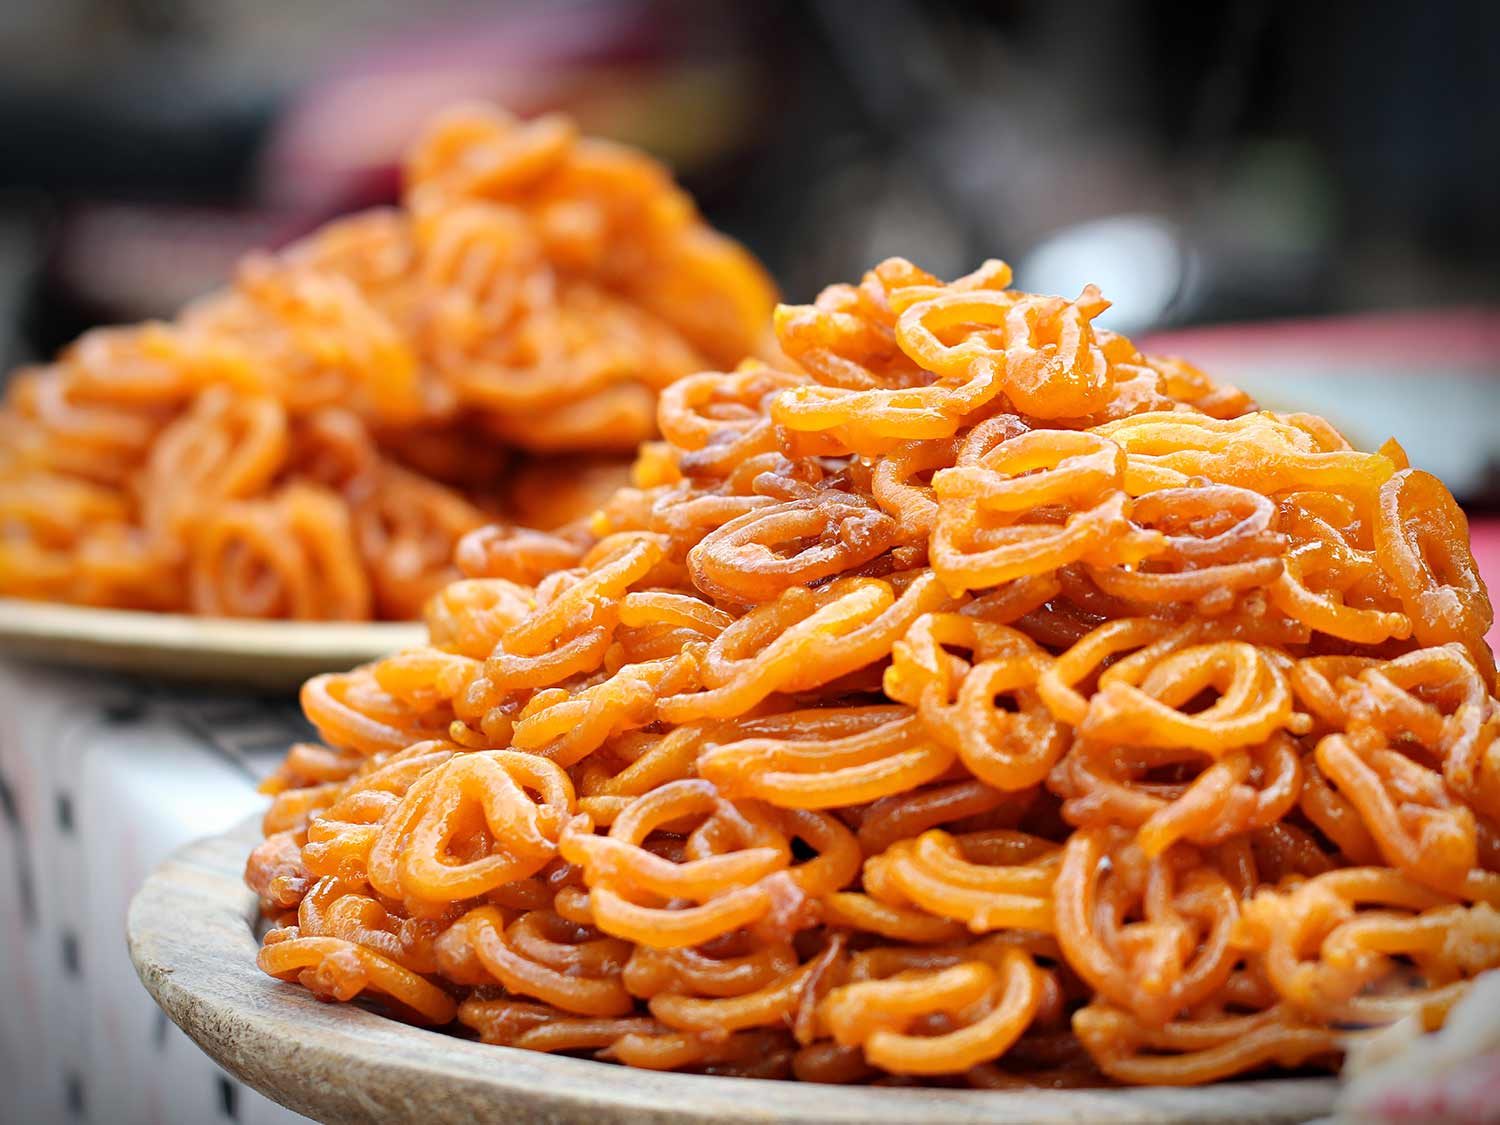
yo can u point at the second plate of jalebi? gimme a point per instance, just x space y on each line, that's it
308 444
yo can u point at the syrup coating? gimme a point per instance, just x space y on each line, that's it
313 440
975 701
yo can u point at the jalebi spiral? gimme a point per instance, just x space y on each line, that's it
974 700
312 441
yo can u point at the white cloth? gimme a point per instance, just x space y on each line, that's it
100 779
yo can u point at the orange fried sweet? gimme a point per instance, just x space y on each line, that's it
313 441
976 700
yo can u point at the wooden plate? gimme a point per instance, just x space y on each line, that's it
190 933
261 654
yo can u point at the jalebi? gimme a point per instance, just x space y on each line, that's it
312 441
974 700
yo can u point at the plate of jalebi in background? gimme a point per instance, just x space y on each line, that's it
310 443
968 699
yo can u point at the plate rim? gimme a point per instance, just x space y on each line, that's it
48 621
250 654
190 939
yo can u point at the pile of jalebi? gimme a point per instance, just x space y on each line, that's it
976 699
312 441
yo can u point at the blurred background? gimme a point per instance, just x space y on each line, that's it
1226 164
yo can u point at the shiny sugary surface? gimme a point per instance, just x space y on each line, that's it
312 441
969 699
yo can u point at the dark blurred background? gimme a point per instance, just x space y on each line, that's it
1204 163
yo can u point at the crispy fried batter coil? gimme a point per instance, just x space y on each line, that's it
426 369
970 698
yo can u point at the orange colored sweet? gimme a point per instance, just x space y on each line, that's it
978 700
313 440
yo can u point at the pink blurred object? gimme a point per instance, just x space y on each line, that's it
676 79
1484 536
1431 378
1400 1076
652 73
1459 338
1469 1095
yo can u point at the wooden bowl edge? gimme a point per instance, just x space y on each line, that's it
189 932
